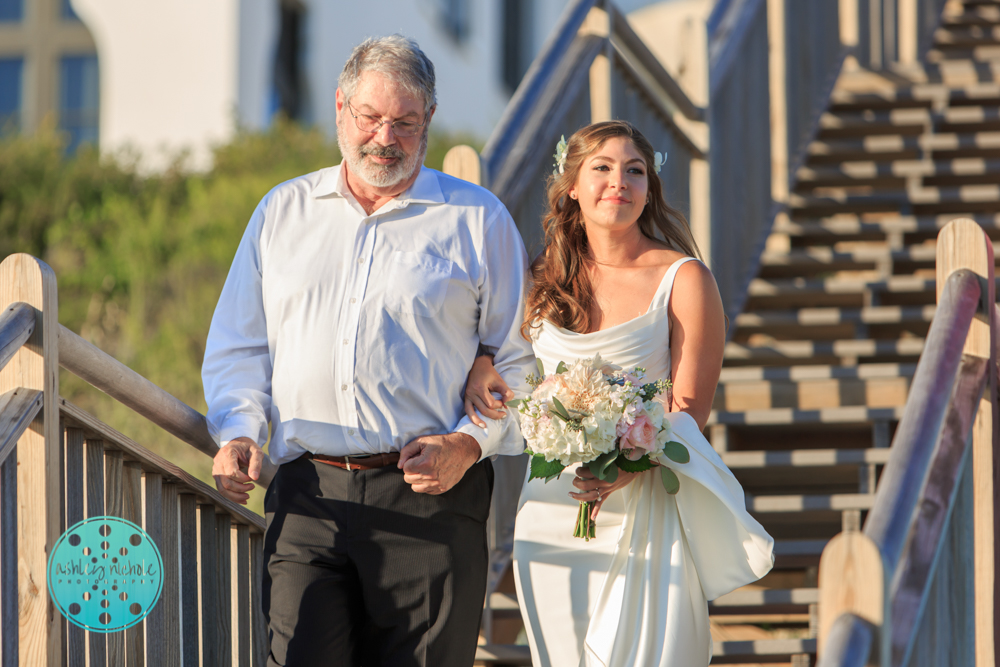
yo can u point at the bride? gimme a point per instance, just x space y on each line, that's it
618 278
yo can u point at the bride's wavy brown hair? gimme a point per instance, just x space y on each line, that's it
561 290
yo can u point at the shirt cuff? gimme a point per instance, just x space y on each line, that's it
500 437
240 426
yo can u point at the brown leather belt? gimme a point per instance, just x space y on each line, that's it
367 462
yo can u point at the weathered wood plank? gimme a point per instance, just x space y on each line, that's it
223 589
258 627
35 366
169 606
136 392
76 649
152 492
135 650
241 601
851 579
97 644
190 608
114 505
18 409
17 323
8 563
154 463
208 572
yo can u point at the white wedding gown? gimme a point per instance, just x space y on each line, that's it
637 595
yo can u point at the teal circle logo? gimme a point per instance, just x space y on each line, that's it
105 574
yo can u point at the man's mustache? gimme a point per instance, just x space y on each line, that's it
382 151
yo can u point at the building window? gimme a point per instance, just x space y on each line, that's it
11 10
454 18
517 49
10 94
289 88
67 11
78 100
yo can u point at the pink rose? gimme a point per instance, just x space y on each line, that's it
640 439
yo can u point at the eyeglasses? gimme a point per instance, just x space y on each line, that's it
372 124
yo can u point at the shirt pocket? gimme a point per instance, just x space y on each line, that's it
417 283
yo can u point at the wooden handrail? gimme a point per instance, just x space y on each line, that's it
536 80
850 642
17 323
17 410
899 489
117 380
634 46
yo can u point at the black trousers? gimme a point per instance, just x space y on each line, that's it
363 572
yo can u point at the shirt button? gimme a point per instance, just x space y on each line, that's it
345 341
350 431
353 300
343 387
361 260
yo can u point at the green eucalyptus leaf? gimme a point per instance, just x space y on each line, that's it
560 409
670 482
611 473
514 402
541 368
641 465
561 368
599 466
542 469
676 452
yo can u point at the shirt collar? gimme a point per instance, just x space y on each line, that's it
425 190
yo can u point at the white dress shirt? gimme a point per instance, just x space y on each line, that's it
353 333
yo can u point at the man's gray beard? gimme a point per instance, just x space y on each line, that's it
381 176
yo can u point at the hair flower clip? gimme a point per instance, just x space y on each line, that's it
562 149
659 159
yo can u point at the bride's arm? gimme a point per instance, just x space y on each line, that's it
697 341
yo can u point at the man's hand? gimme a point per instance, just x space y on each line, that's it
232 482
436 463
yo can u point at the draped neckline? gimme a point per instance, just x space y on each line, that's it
666 279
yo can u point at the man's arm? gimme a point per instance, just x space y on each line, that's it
237 370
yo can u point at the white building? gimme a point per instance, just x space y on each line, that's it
165 76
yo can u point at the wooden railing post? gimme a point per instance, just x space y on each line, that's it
851 579
39 490
465 162
598 22
963 244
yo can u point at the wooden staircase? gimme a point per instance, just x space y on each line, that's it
820 361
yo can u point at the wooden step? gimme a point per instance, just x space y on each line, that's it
760 650
751 600
966 37
851 414
897 173
943 145
805 458
875 260
987 15
784 353
836 502
833 323
804 393
730 376
856 226
503 654
917 200
777 293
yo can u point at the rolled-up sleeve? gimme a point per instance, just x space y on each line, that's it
501 303
237 368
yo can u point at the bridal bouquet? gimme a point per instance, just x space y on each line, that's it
600 415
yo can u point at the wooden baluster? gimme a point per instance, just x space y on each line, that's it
152 492
8 561
257 624
39 490
113 506
169 606
97 644
223 588
132 511
241 601
61 495
190 651
75 501
209 585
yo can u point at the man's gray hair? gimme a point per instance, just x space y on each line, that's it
397 57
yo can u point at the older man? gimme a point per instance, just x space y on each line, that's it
356 303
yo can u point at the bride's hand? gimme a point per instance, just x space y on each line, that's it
597 491
483 381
